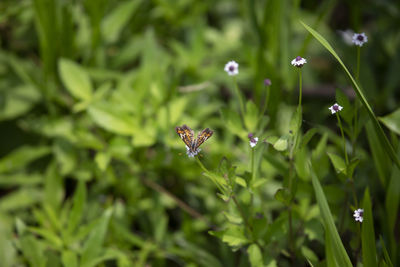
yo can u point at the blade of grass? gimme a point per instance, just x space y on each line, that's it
336 245
377 127
368 234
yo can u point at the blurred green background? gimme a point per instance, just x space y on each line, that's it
92 172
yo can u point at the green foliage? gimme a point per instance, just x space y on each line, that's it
92 172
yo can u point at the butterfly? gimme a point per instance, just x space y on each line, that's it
192 144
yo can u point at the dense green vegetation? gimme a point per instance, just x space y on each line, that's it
93 173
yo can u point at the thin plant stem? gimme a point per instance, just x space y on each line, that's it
351 181
358 63
343 139
246 223
239 97
264 108
356 102
210 175
253 174
300 87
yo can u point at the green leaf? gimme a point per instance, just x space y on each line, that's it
75 79
338 163
296 121
102 159
283 196
47 235
392 199
33 251
392 121
282 143
69 258
386 257
94 243
18 101
301 164
114 23
20 199
368 234
307 136
20 179
255 255
21 157
233 218
78 206
251 116
338 250
53 187
106 117
234 236
309 254
377 127
381 158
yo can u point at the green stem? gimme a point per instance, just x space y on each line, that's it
356 102
266 101
253 173
239 97
300 87
210 175
358 63
201 165
343 139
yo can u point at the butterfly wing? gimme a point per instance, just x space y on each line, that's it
186 134
203 136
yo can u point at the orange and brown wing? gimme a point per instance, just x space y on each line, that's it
186 134
203 136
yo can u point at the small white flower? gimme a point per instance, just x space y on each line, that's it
358 215
335 108
299 62
359 39
253 141
232 68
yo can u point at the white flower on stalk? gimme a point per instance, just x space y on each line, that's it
358 215
253 140
359 39
232 68
299 62
335 108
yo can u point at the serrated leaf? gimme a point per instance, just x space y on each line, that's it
234 236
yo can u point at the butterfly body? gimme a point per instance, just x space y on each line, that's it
192 143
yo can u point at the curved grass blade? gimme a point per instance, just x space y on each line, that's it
378 128
337 250
368 234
